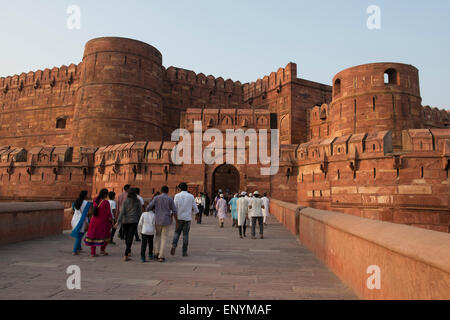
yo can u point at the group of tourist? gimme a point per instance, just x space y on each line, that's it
245 208
101 219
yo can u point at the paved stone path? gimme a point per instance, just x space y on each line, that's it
220 266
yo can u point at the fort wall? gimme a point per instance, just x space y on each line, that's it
365 146
361 175
36 108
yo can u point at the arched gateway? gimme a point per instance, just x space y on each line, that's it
226 177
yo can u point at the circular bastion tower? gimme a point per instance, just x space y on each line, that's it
119 98
376 97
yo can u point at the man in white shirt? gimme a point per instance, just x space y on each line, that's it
185 205
242 208
266 203
256 206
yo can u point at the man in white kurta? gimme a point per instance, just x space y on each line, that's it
256 205
266 203
242 208
222 209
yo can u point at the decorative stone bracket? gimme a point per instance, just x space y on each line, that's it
31 166
85 172
446 163
324 166
289 171
398 162
116 166
354 165
57 165
279 88
102 166
10 168
137 168
70 80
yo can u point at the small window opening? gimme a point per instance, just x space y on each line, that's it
337 87
273 121
60 123
391 77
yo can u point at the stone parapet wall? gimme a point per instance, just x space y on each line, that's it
30 220
413 263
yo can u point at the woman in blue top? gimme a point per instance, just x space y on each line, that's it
79 220
233 205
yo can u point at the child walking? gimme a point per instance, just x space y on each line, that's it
146 227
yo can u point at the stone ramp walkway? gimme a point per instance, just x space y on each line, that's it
220 266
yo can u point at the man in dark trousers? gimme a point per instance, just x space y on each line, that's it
120 200
186 206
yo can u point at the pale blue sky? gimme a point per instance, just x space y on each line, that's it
239 39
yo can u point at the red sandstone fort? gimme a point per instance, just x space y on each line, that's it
365 146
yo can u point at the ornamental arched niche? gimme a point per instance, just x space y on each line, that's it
262 121
284 125
227 121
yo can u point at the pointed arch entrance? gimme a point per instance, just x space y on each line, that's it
227 178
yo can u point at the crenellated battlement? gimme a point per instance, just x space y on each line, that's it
361 174
374 144
274 81
189 77
39 78
435 117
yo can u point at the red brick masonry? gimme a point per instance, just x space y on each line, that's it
363 146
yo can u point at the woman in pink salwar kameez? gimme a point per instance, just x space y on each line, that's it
99 231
